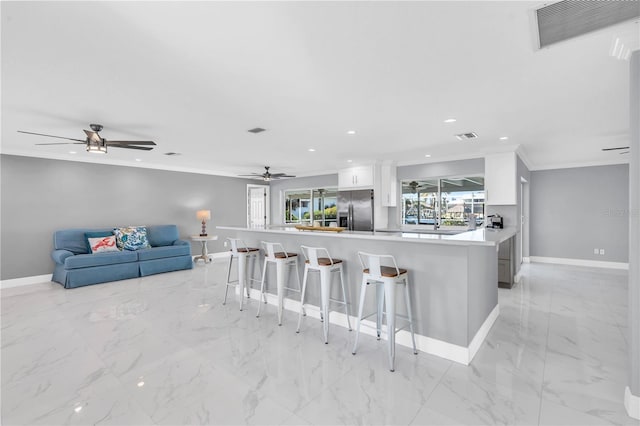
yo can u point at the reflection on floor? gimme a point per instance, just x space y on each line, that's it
163 350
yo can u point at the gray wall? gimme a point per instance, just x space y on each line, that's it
576 210
277 188
40 196
419 171
634 227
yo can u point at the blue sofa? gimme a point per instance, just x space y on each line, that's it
76 266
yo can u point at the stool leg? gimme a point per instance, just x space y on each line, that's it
251 263
363 289
264 275
242 276
390 296
344 296
380 305
304 291
226 287
280 288
325 282
409 314
304 311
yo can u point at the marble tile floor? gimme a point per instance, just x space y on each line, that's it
163 350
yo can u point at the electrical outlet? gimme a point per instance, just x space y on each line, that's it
601 251
595 251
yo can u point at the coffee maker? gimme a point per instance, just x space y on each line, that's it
495 221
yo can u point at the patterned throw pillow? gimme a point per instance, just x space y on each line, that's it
131 238
103 244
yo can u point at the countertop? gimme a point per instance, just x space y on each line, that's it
481 236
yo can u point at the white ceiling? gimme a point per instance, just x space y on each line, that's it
194 77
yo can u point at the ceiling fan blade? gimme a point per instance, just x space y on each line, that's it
51 136
614 149
141 148
279 175
94 136
62 143
113 143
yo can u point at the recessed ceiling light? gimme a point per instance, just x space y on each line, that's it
450 120
311 150
72 152
349 161
138 159
504 138
428 155
351 132
140 383
78 409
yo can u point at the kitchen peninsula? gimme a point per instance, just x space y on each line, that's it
453 279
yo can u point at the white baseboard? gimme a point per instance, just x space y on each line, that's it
19 282
459 354
632 404
526 259
220 256
580 262
482 333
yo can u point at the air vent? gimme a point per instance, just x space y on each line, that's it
171 153
572 18
465 136
256 130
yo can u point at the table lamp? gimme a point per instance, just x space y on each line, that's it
203 215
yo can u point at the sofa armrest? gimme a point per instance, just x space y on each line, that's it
181 243
59 256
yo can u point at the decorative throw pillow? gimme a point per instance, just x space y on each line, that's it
103 244
95 234
131 237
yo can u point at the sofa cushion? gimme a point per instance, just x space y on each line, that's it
103 244
162 235
163 252
74 239
99 259
95 234
131 237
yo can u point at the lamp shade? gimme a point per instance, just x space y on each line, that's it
203 214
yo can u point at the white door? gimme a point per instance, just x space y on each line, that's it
257 206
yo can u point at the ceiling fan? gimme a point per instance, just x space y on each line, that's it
267 175
95 143
414 186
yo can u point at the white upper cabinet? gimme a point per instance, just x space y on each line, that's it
500 179
388 185
356 177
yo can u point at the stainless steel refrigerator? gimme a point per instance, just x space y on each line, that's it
355 209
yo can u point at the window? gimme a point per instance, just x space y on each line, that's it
444 202
299 205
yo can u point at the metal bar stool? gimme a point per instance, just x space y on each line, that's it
324 265
240 251
386 278
276 254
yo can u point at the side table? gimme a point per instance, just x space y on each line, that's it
205 254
